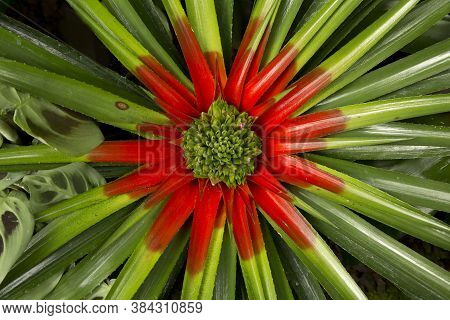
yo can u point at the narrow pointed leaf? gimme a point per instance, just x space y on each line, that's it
214 253
225 21
261 16
78 96
391 152
205 214
420 19
198 67
433 84
417 191
307 245
280 280
277 147
258 85
262 259
158 23
169 93
150 248
204 20
401 73
246 251
130 18
348 26
363 198
285 17
419 134
313 82
84 243
357 116
225 285
302 281
96 267
418 277
39 50
61 230
338 16
166 270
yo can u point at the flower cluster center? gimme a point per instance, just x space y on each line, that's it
221 146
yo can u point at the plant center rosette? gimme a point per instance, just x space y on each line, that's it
221 146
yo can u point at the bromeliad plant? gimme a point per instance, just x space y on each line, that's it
254 140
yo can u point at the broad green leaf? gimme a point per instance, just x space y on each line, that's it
21 43
61 129
7 131
48 187
409 271
64 130
9 178
414 190
61 259
16 229
78 96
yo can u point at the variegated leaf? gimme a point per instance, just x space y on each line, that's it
53 125
16 229
47 187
